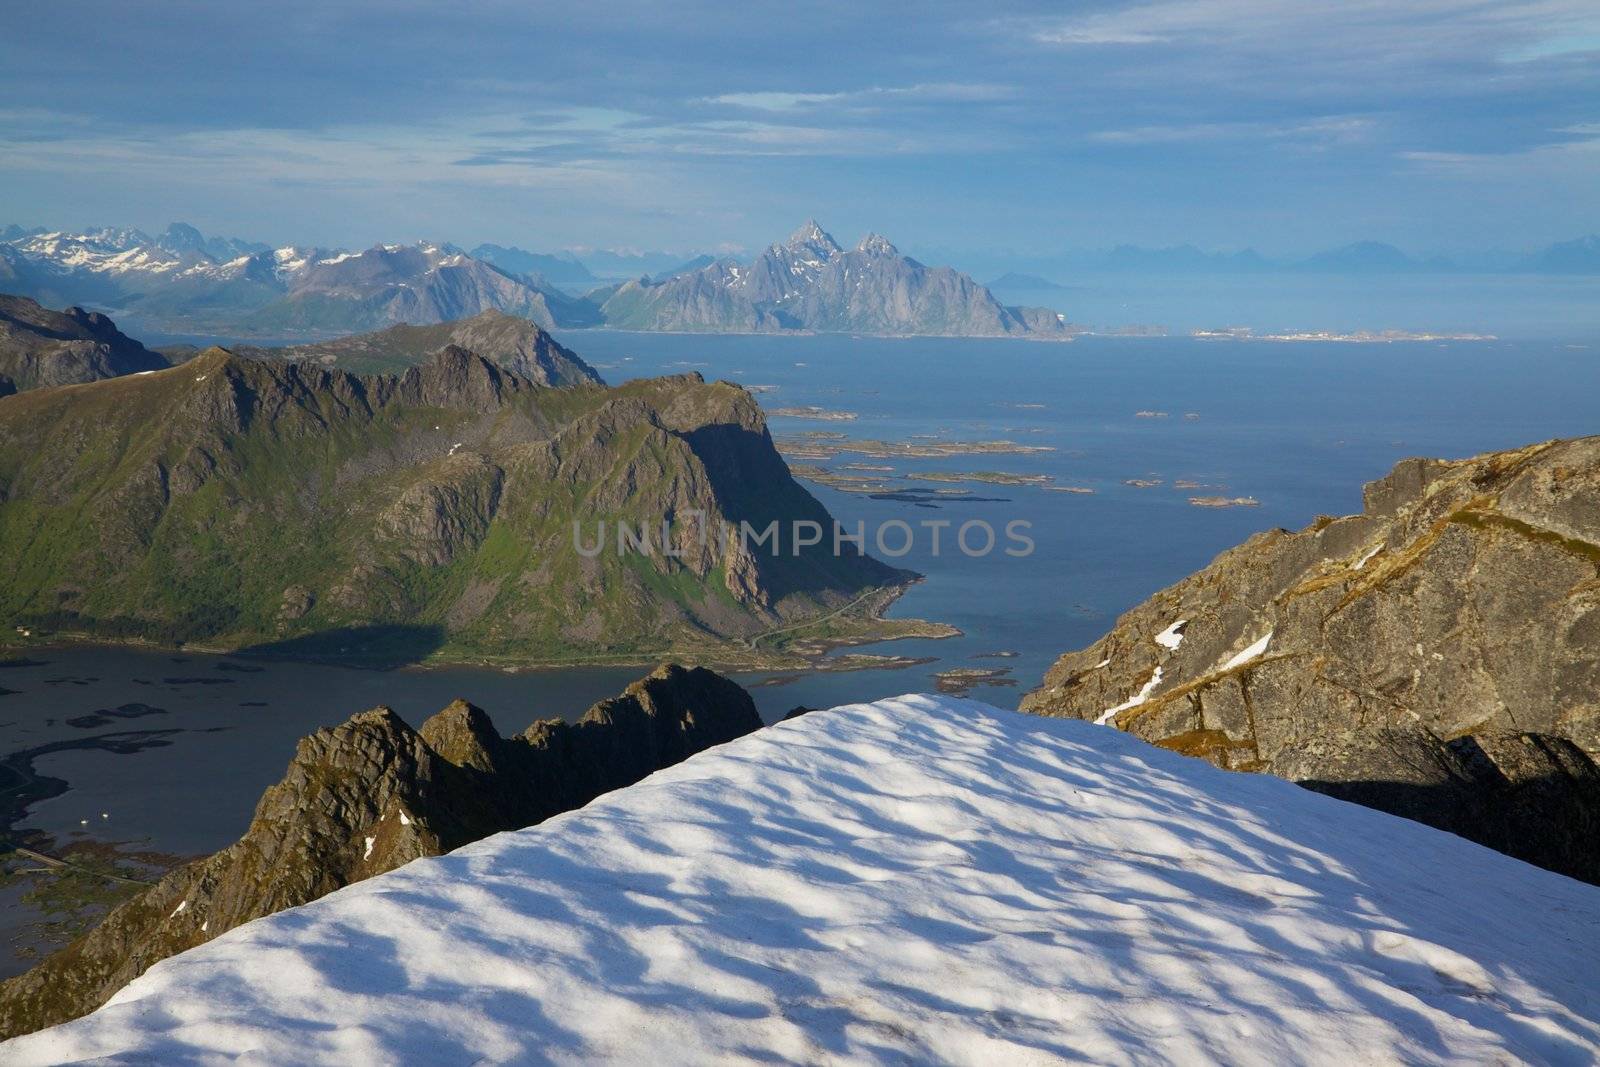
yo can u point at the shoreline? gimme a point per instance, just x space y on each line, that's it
801 654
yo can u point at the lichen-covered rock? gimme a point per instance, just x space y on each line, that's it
1463 603
371 795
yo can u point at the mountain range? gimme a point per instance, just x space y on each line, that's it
184 283
181 282
1023 274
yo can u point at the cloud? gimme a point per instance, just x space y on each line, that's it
1330 130
774 101
964 118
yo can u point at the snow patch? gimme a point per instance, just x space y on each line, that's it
1257 649
1134 701
1171 638
182 904
924 879
1364 560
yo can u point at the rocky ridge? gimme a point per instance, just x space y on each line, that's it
371 795
1437 655
40 347
513 343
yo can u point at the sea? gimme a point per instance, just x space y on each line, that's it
168 752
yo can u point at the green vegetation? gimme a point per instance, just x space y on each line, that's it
283 509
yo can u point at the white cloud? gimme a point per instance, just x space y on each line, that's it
1337 129
774 101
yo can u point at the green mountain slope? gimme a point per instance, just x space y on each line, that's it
282 507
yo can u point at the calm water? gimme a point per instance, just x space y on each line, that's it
1299 427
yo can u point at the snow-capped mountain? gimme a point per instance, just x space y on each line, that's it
809 282
184 281
924 880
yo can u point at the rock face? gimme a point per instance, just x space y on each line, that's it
516 344
809 282
457 509
371 795
1437 655
40 347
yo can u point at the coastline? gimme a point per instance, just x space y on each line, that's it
843 628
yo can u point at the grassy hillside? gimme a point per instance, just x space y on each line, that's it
285 508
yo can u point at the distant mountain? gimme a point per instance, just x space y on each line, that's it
697 263
1029 282
180 239
1363 257
513 343
184 282
1581 256
563 268
40 347
616 266
810 283
389 284
1182 259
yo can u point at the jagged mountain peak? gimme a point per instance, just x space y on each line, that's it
812 236
180 237
876 244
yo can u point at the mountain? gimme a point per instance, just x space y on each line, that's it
1581 256
389 284
40 347
918 880
1183 259
289 509
620 265
561 269
809 282
182 239
185 282
1363 257
1436 656
1030 282
697 263
511 343
372 795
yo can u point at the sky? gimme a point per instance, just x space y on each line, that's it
958 128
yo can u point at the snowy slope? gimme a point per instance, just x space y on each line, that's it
923 879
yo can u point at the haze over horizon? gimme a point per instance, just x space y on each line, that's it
1445 127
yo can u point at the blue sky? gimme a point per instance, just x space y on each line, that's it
952 127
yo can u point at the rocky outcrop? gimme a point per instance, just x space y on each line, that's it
40 347
809 282
1437 655
371 795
